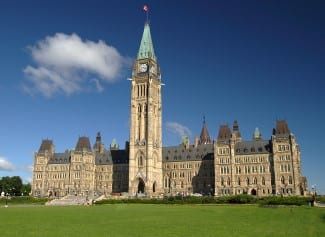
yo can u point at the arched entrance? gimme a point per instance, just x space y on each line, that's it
141 186
154 187
253 192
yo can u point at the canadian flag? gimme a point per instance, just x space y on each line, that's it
145 8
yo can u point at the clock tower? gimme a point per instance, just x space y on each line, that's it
145 154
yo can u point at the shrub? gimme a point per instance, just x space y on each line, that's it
320 199
275 200
236 199
242 199
23 200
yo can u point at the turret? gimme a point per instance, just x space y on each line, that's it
114 145
98 146
236 137
185 141
257 136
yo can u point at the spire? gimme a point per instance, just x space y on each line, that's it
204 137
146 47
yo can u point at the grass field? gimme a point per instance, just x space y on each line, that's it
161 220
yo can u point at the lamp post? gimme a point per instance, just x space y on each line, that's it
7 197
313 188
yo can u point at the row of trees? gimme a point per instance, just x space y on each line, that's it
14 186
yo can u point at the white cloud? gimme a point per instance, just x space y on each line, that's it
178 129
98 86
6 165
68 64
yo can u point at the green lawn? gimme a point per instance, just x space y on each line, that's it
161 220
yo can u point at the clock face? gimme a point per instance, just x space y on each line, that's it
143 67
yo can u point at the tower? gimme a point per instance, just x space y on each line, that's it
145 154
287 178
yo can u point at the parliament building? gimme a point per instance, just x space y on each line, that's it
226 165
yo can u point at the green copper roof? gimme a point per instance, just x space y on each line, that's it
114 144
257 134
146 46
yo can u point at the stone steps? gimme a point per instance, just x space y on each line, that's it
69 200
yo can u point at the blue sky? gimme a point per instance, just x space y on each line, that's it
254 61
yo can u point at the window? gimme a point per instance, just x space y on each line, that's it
263 181
140 161
290 180
255 180
282 180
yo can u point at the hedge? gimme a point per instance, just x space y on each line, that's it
236 199
22 200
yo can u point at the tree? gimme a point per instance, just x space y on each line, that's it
26 188
11 185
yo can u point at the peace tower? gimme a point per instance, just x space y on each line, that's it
145 154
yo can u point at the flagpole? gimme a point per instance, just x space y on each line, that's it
146 9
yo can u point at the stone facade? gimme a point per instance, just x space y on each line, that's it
258 167
224 166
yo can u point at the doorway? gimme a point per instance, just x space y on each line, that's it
141 186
